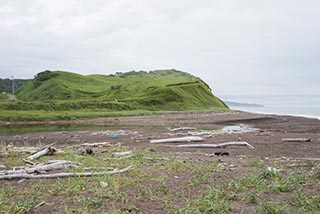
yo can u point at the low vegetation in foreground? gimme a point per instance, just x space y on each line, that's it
64 95
166 183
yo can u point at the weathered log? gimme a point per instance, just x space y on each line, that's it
296 139
220 145
40 204
46 151
100 144
178 139
124 157
41 168
63 174
28 162
182 129
121 154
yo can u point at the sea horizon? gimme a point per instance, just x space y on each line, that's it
291 105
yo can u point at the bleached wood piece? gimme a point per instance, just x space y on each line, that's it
42 168
28 162
63 175
182 129
124 157
39 154
46 151
39 205
178 139
220 145
100 144
121 154
296 139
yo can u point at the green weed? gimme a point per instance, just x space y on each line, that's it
271 208
213 200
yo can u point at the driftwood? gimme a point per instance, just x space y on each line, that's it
41 168
182 129
124 157
28 162
296 139
100 144
46 151
220 145
178 139
40 204
62 174
121 154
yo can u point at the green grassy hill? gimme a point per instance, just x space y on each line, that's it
154 90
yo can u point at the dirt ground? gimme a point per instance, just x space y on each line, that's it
267 140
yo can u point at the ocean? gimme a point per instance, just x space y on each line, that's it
297 105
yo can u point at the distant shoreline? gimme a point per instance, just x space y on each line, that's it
307 106
277 114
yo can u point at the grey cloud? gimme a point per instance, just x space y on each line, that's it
237 46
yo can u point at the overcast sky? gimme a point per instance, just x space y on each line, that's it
237 46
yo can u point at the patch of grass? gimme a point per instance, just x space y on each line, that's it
316 173
210 128
163 188
203 172
305 202
271 208
257 163
248 181
23 204
213 200
145 192
172 185
176 165
41 115
151 149
251 197
310 163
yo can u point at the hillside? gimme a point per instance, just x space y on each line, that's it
6 84
154 90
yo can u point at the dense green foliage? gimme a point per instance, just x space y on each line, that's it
6 84
4 97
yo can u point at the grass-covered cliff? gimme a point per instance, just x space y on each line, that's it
155 90
60 95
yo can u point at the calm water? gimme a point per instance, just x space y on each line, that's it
302 105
